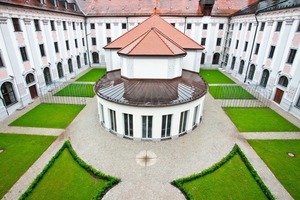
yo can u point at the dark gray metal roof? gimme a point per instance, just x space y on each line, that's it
150 92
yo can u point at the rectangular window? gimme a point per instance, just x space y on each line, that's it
76 45
81 26
1 61
102 120
221 26
124 26
108 40
37 25
203 41
42 50
278 27
204 26
23 53
240 28
16 24
256 49
232 27
271 53
85 58
64 25
202 58
107 25
67 45
183 120
113 121
52 25
237 44
249 26
128 124
93 41
298 103
298 29
229 42
291 56
56 47
246 46
83 44
166 126
74 27
196 110
189 26
262 26
147 126
92 26
219 41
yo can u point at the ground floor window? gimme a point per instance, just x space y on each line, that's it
183 120
147 126
8 93
47 76
102 114
298 102
196 110
128 124
70 66
95 56
113 121
166 125
264 78
251 72
29 78
60 70
78 62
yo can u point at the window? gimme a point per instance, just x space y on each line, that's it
85 58
240 28
283 81
42 50
73 24
251 72
147 126
64 25
67 45
221 26
232 62
298 103
52 25
256 48
249 26
219 41
76 45
92 26
23 53
173 24
183 120
204 26
237 44
216 58
60 70
196 110
232 27
8 93
246 45
29 78
70 65
56 47
83 44
78 62
298 29
16 24
113 121
203 41
124 26
166 126
81 26
226 59
108 40
264 79
278 27
95 56
1 61
47 76
189 26
128 124
241 69
229 42
262 26
107 25
37 25
271 53
291 56
93 41
202 58
102 114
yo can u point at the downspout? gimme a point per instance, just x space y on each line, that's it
86 39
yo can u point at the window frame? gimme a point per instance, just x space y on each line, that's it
219 41
204 26
166 125
52 24
272 51
221 26
16 24
257 47
56 49
262 26
189 26
147 126
42 50
24 54
107 26
292 53
94 41
278 26
37 25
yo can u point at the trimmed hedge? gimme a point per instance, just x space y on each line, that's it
179 182
112 181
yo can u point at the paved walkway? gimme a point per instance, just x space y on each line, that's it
192 153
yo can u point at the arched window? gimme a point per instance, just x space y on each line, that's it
264 78
8 93
232 62
283 81
216 59
29 78
70 65
241 69
202 58
95 57
47 76
78 62
251 72
60 70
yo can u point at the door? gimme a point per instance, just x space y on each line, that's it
278 95
33 91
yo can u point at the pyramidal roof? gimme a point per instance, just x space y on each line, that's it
163 30
153 42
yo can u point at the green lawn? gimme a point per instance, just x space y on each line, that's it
285 168
229 92
77 90
20 152
49 116
65 178
259 120
215 77
92 76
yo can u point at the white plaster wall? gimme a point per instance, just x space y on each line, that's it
191 61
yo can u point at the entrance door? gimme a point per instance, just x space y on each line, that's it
278 95
33 91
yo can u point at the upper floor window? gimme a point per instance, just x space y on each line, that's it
81 26
56 47
23 53
1 62
64 25
92 26
76 45
37 25
16 24
256 49
237 44
219 41
204 26
249 26
173 24
240 28
246 46
221 26
124 26
108 40
42 50
94 41
83 44
271 53
298 29
278 27
232 26
74 26
52 25
107 25
203 41
189 26
262 26
292 55
67 45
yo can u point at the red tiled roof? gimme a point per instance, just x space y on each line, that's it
229 7
148 44
163 26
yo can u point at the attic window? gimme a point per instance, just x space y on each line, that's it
107 26
189 26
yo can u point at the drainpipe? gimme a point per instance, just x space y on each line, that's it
87 42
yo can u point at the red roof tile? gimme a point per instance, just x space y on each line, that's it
229 7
